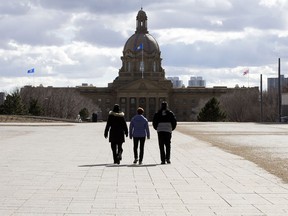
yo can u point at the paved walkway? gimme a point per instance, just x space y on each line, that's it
66 169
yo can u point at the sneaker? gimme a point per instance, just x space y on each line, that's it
140 162
135 161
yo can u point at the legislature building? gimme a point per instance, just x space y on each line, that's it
141 82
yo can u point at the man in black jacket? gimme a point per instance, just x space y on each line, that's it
164 122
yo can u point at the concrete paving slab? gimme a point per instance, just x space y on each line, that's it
66 169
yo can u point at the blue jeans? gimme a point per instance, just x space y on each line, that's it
136 141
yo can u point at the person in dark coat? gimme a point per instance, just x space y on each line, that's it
164 121
138 130
117 128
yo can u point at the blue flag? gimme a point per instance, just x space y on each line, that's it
31 70
140 47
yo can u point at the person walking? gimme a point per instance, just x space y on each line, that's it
164 121
138 130
117 128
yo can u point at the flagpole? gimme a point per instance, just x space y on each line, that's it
248 79
261 99
279 90
142 68
33 76
245 73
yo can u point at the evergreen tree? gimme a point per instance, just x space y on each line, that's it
13 104
84 113
211 112
35 108
1 109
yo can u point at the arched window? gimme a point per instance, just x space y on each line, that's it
129 66
154 66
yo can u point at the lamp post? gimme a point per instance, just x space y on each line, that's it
261 99
279 91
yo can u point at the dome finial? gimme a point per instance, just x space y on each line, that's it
141 19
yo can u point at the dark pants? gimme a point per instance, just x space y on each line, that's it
116 150
164 140
136 141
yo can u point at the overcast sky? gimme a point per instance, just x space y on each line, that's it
70 42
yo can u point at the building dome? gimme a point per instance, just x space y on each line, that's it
141 41
141 55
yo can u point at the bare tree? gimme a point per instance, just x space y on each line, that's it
59 102
270 106
241 106
244 106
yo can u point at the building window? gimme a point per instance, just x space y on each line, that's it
132 100
142 102
152 101
123 100
129 67
123 109
132 107
151 108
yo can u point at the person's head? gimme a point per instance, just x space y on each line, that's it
164 105
140 110
116 108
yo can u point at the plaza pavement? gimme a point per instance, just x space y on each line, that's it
66 169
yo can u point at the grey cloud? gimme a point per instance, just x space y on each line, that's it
250 51
235 17
30 29
94 6
14 7
95 32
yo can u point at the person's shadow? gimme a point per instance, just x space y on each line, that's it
119 165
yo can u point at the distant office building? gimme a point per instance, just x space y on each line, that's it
2 97
284 104
272 83
177 83
196 82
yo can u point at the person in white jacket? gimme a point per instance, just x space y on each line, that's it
139 130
